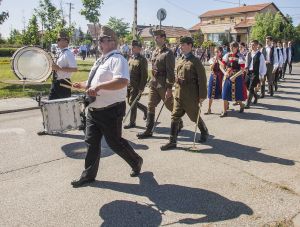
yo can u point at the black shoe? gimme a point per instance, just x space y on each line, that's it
42 133
136 171
143 135
130 125
81 182
223 114
168 146
242 108
203 138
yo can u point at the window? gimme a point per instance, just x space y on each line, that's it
222 18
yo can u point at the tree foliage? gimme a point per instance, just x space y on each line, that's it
275 25
198 38
31 35
3 15
119 26
91 10
52 22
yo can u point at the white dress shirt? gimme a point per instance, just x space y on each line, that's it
275 58
262 64
116 66
65 59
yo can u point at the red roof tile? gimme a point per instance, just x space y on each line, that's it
235 10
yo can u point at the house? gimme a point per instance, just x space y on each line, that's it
231 23
94 31
173 33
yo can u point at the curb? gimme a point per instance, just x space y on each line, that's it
19 110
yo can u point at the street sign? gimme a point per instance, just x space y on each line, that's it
161 14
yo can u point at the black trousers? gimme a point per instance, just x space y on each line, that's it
252 82
107 123
59 92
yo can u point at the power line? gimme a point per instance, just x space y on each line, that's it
180 7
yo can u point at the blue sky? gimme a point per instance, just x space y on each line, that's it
179 12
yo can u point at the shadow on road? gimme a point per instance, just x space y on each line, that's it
127 213
276 107
210 206
78 150
231 149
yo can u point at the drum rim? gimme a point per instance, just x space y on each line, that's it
39 49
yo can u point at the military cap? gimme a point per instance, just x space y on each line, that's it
63 35
159 32
107 32
186 39
136 43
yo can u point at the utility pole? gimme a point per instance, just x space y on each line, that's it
134 27
70 12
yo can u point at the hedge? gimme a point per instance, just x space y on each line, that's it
7 52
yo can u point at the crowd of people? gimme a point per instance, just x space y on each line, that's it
237 74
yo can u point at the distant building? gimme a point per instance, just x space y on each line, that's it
173 33
231 23
94 30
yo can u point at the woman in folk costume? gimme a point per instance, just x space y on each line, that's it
233 86
216 78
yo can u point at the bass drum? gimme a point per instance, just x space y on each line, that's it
32 63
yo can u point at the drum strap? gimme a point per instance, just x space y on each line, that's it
100 61
56 59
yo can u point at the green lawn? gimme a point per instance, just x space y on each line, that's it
10 87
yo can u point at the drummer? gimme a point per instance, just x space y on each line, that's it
64 66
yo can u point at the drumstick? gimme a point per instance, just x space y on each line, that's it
69 82
73 88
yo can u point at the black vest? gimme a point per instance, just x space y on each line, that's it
256 62
271 54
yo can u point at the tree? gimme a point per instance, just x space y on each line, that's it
198 38
275 25
31 35
119 26
91 12
51 21
3 15
15 37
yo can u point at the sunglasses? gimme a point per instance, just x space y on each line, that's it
59 39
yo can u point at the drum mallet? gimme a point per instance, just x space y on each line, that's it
132 105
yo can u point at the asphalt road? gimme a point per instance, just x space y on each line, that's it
247 174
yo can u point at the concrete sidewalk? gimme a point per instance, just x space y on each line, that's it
17 104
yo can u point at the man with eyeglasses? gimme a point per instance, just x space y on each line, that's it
106 89
63 68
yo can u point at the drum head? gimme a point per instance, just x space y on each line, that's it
32 64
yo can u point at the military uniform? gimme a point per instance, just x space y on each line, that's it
190 88
138 70
162 78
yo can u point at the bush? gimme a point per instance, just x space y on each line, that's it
7 52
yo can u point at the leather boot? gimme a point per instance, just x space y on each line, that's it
173 137
263 88
248 103
142 108
180 125
204 131
149 127
271 90
255 98
130 125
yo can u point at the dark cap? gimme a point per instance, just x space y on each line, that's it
63 35
107 32
159 32
136 43
187 39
